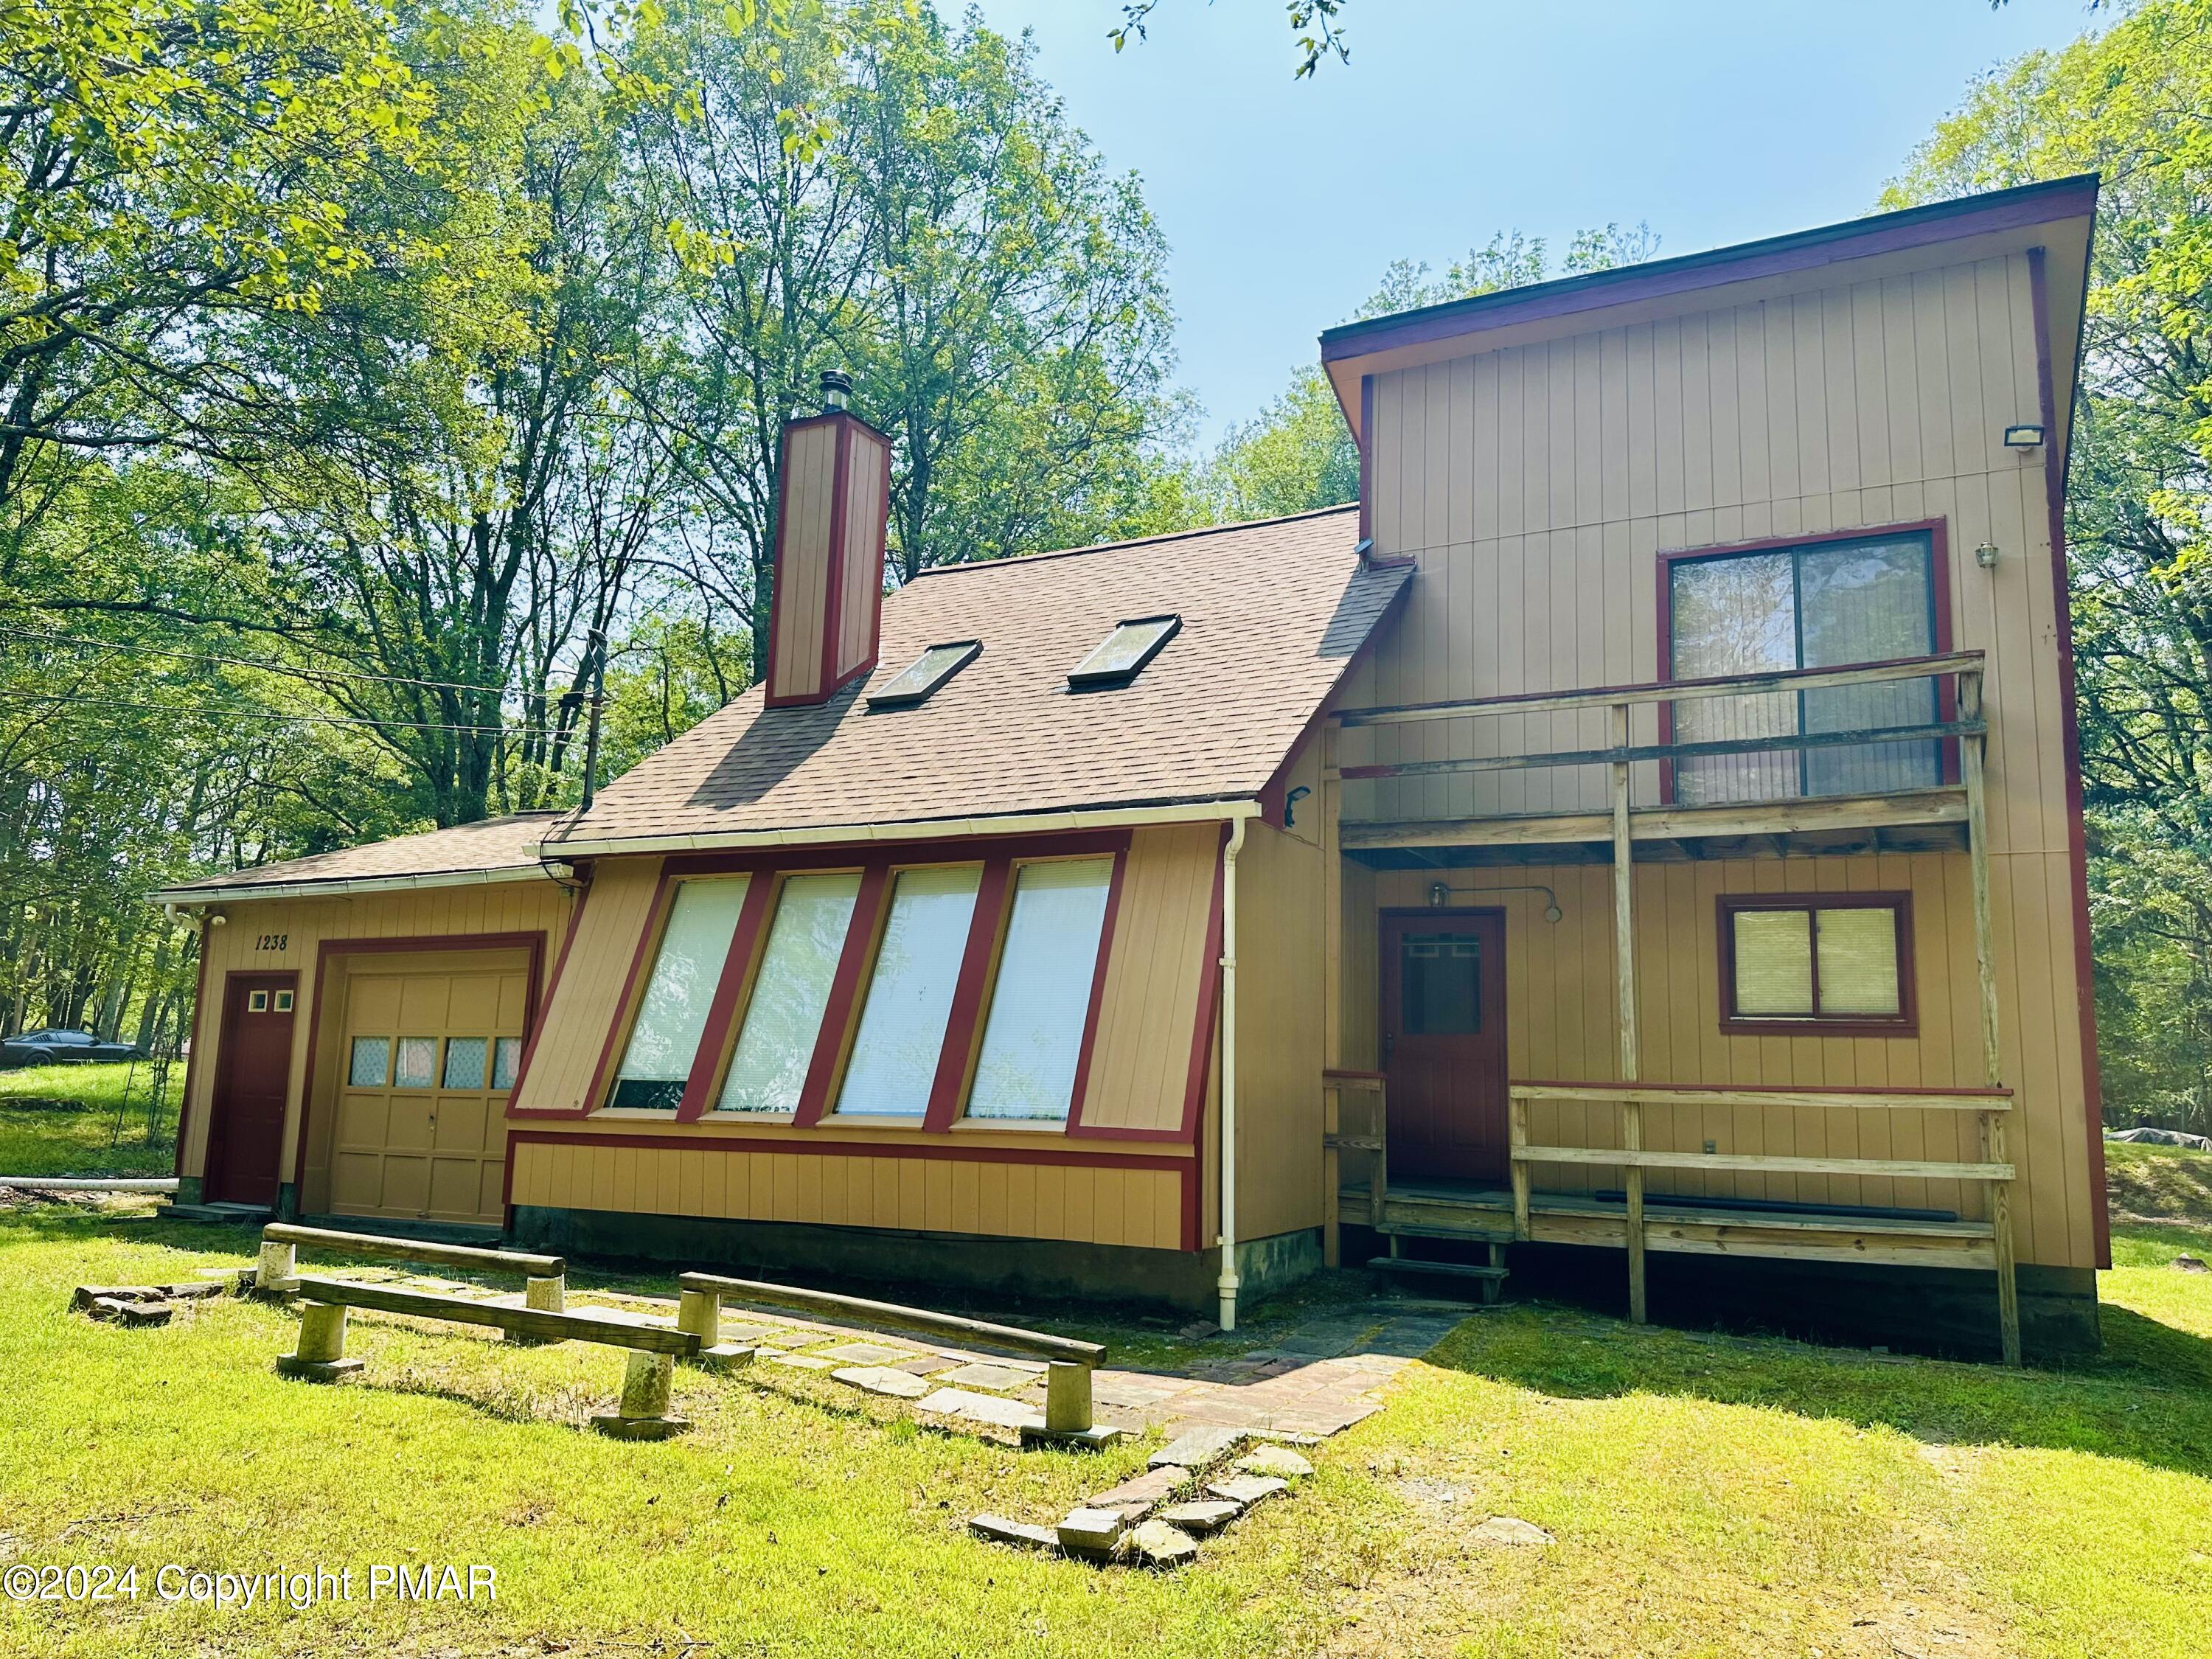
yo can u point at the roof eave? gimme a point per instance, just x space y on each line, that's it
1572 303
340 886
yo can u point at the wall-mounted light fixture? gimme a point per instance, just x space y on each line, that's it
1290 804
2024 436
1986 555
1440 895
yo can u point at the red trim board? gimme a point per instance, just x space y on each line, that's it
2077 852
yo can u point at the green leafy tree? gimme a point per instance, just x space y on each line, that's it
2134 104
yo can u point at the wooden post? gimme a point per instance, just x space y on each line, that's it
1517 1119
1999 1192
1972 753
1631 1139
1623 960
1331 1175
1381 1192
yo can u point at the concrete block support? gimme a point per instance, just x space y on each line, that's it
321 1355
641 1414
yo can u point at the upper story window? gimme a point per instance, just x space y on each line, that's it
1123 653
909 999
663 1037
791 993
1837 964
1041 1002
939 663
1827 603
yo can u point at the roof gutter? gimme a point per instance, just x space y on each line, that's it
1004 824
340 888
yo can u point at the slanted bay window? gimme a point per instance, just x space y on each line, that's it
905 1019
1830 602
790 995
1040 1000
1833 965
919 994
663 1037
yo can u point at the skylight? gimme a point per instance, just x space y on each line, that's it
939 663
1135 642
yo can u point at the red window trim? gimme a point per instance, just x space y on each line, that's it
1906 1023
879 868
1939 574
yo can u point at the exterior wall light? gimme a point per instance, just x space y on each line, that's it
1986 555
1290 804
2023 437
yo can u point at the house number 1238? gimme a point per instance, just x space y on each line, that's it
272 941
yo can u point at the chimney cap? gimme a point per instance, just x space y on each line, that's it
836 389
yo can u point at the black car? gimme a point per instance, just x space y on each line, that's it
51 1047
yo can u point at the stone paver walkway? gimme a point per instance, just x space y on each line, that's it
1316 1379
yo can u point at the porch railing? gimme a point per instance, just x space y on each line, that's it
1994 1170
1335 1142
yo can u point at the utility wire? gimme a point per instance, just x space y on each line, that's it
263 715
246 662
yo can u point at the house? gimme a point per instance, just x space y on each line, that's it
1649 823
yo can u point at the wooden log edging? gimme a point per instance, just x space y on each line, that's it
276 1271
1068 1363
647 1376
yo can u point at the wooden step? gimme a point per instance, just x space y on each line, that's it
1407 1264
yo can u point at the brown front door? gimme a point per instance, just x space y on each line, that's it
1443 1043
255 1066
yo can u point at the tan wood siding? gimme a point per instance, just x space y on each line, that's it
803 568
1278 1033
530 906
1536 485
587 1002
860 585
1141 1057
1128 1206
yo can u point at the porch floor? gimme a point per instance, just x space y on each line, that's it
1474 1213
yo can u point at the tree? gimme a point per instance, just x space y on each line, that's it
2133 103
171 171
1320 21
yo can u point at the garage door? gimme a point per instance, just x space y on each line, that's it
429 1061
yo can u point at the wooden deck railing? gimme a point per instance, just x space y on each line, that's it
1335 1084
1994 1169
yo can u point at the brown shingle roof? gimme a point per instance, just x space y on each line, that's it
491 849
1272 613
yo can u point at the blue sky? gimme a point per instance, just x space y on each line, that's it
1715 121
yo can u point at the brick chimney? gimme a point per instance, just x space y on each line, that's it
833 510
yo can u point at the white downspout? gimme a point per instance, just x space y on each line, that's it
1228 1281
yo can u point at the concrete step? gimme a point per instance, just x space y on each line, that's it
251 1215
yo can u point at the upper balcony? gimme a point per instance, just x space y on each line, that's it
1870 757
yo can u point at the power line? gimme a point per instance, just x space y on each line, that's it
264 715
246 662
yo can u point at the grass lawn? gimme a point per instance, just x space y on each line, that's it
1709 1494
76 1120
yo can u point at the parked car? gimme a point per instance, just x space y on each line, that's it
53 1047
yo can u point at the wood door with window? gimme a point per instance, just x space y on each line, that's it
251 1081
1443 1043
